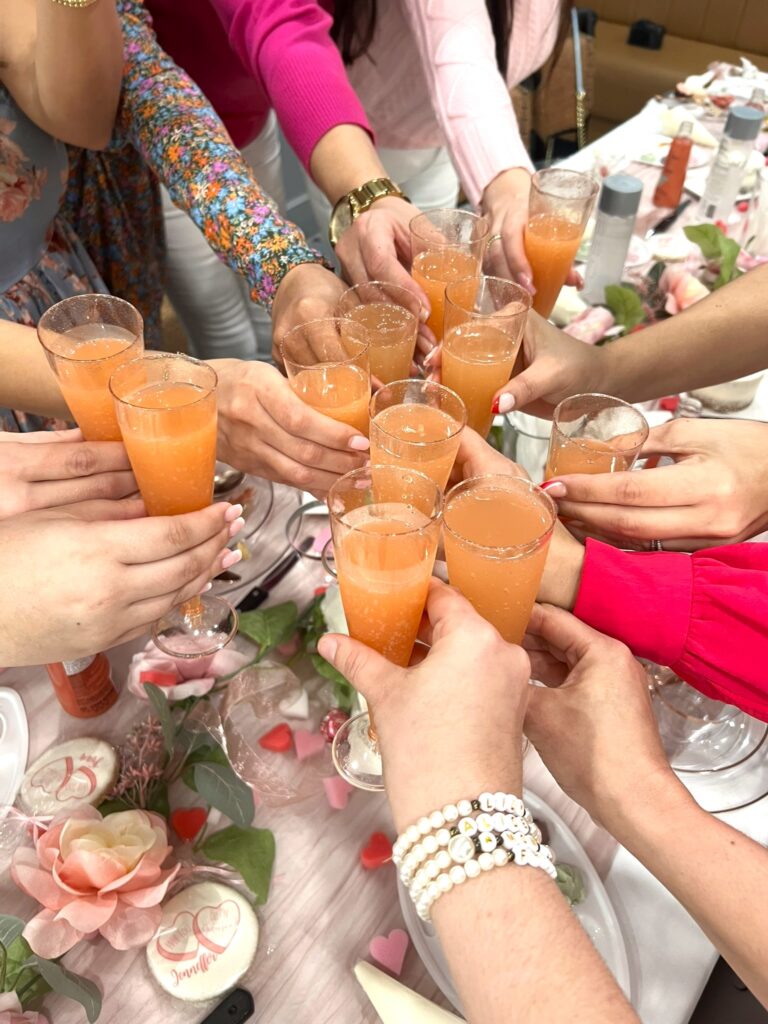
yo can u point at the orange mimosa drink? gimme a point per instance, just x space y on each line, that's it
559 205
551 244
384 551
594 434
328 367
481 341
497 531
417 424
446 246
86 338
390 315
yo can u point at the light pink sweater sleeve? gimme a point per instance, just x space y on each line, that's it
469 96
287 47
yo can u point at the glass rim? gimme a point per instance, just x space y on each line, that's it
526 298
397 289
470 215
123 303
174 356
495 550
365 345
367 471
582 442
538 177
433 384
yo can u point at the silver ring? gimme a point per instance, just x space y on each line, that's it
656 545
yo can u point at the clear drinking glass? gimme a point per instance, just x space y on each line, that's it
166 409
390 315
594 434
328 367
559 205
481 341
446 246
497 532
384 550
85 338
418 424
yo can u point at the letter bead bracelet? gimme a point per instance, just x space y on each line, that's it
445 848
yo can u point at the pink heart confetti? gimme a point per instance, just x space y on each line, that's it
390 950
337 791
307 743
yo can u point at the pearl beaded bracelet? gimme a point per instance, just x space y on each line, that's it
447 847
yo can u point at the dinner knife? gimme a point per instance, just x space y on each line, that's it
666 223
260 593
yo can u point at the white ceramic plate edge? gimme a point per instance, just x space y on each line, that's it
14 724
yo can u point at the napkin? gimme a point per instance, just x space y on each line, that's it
670 121
395 1003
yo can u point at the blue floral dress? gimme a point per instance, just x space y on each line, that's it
41 259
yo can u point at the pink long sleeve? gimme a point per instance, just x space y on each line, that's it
704 615
287 46
469 96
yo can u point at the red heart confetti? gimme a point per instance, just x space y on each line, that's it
279 739
157 678
187 822
377 852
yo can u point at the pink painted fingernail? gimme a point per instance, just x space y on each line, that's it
236 527
206 588
526 282
554 488
231 558
359 443
506 403
232 513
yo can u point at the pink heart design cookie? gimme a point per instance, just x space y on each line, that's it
64 782
307 743
215 927
179 942
389 950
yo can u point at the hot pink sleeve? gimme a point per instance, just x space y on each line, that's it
704 615
287 46
469 96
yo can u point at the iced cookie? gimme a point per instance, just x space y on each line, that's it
205 942
79 771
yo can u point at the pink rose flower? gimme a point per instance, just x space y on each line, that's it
94 874
186 677
682 288
591 325
11 1012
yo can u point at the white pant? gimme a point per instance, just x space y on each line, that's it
211 300
425 175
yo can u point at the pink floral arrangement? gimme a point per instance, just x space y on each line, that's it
11 1012
682 289
181 677
94 874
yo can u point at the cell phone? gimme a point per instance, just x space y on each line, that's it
235 1008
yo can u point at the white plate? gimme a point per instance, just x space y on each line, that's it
14 746
596 913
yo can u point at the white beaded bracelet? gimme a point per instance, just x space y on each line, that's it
449 846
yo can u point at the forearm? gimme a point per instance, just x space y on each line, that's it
27 382
78 71
719 338
343 159
719 875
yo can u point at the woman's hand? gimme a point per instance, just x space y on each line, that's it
505 204
54 468
439 742
593 724
307 292
266 430
96 574
716 492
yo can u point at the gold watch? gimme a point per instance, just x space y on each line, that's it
350 206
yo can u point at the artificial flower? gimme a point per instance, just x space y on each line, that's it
682 289
591 325
95 874
181 677
12 1013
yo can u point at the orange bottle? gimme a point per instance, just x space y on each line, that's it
84 687
672 178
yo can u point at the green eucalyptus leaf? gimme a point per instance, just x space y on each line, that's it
30 988
343 691
157 798
625 304
3 964
71 985
114 805
251 851
162 710
729 255
269 627
17 956
708 237
218 785
10 929
211 753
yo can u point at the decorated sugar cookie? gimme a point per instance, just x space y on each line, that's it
205 942
79 771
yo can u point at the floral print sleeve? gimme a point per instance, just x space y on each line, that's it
179 135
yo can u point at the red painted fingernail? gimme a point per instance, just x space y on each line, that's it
554 488
495 407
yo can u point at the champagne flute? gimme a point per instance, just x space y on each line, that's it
166 408
384 550
390 314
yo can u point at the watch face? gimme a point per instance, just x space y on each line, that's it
341 219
